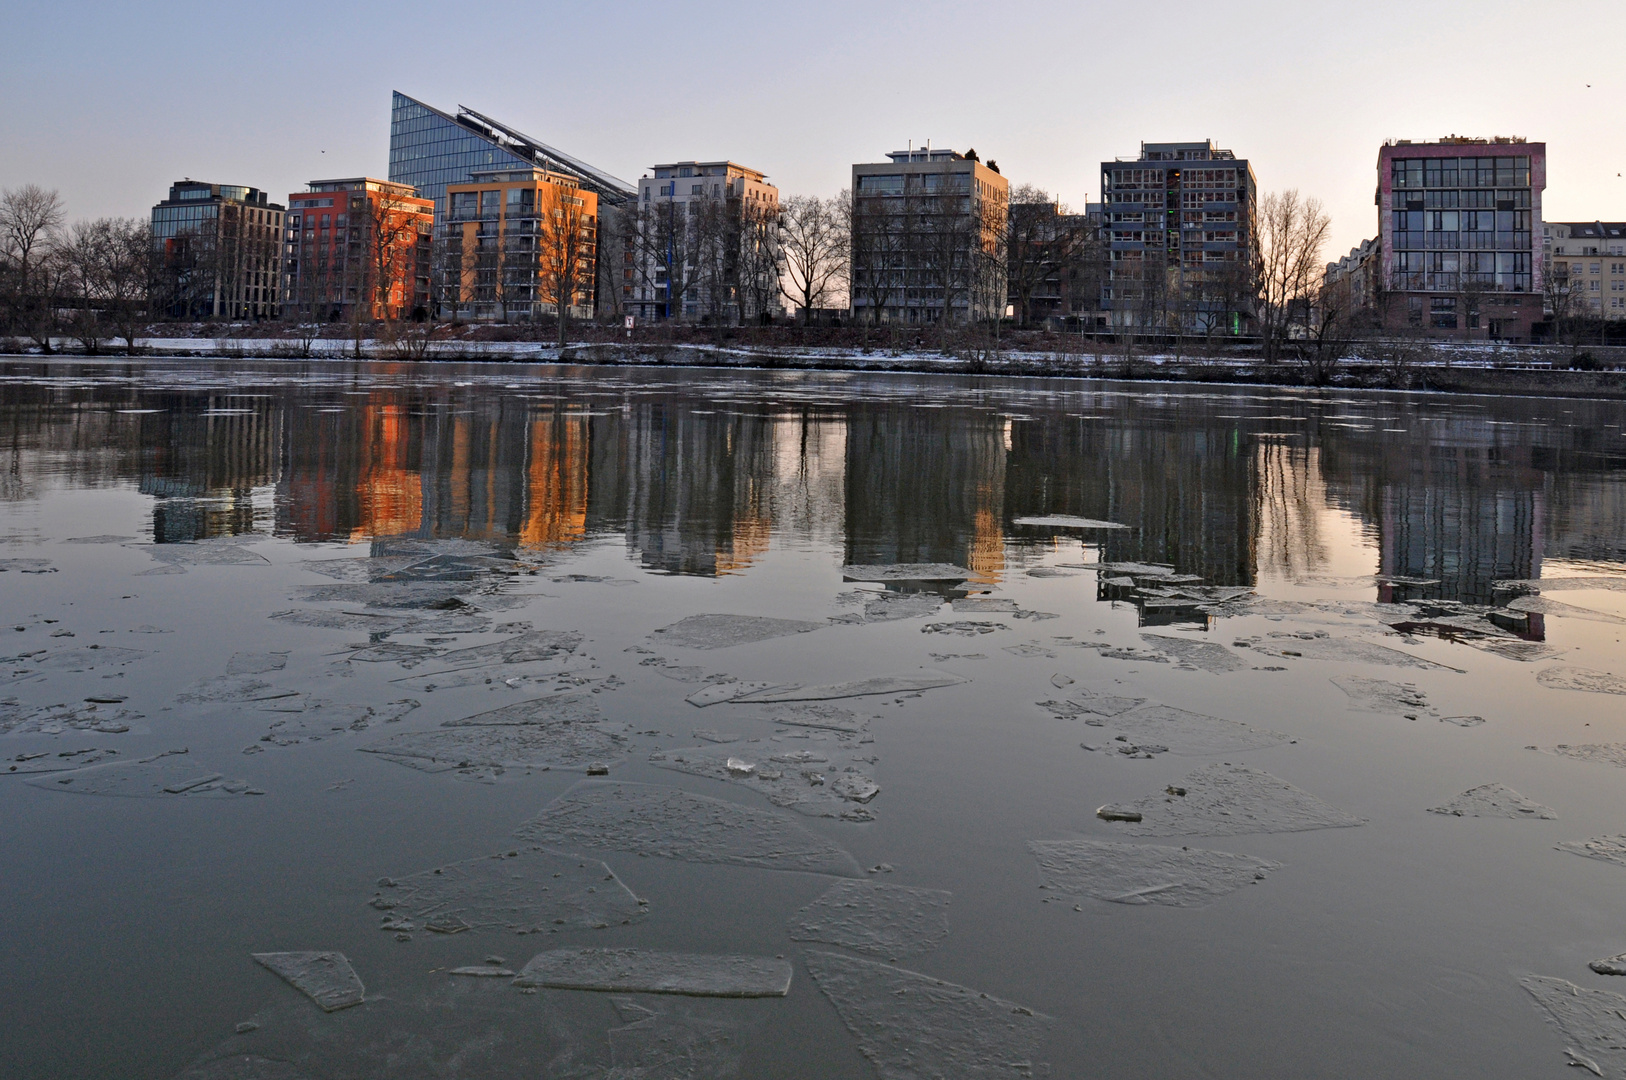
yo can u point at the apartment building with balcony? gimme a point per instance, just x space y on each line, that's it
220 251
358 248
1588 260
1460 231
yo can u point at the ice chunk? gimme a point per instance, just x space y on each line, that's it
1350 650
722 631
905 572
534 645
667 823
885 920
1613 965
1083 702
18 719
902 683
500 746
991 604
1184 732
1028 650
256 663
1493 800
1593 1022
1463 721
1066 521
693 1045
818 775
325 977
1144 873
1603 753
1381 696
1207 655
225 551
912 1026
104 538
890 606
169 773
831 717
1543 606
718 693
313 721
61 761
1232 800
963 627
232 688
1564 677
502 676
526 889
1604 848
324 619
645 971
393 652
552 709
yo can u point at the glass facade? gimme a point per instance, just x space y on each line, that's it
429 150
1461 223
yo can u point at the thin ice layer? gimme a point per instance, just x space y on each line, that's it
869 917
325 977
699 1041
1593 1022
1186 732
1611 849
905 572
1349 650
1493 800
722 631
1381 696
1231 800
667 823
1603 753
1066 521
646 971
510 746
526 889
1207 655
889 606
813 773
902 683
912 1026
832 717
1144 873
163 775
256 663
1566 677
551 709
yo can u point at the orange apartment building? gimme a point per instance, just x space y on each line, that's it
515 243
358 241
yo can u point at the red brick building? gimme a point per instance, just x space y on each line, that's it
358 248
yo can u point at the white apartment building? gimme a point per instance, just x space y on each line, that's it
1591 257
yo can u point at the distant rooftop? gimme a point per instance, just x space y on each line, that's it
1598 229
1184 151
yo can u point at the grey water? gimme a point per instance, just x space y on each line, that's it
279 640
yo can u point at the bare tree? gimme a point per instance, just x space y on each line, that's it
1292 232
715 249
875 228
816 246
663 253
759 262
1565 304
567 251
30 230
129 277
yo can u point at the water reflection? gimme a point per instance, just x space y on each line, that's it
1454 495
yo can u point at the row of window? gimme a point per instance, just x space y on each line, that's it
1460 172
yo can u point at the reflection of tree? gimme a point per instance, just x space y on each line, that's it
1290 501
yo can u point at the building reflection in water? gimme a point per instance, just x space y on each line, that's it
1455 493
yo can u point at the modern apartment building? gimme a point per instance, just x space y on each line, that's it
701 244
358 248
1180 238
926 230
430 149
1587 259
1351 283
1054 266
515 244
221 250
1459 224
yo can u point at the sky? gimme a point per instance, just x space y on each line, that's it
110 102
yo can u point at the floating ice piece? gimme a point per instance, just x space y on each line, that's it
890 606
884 920
526 889
1232 800
722 631
104 538
902 683
501 676
1463 721
232 688
910 1025
55 719
831 717
256 663
1604 753
1028 650
668 823
534 645
718 693
1608 584
325 977
963 627
1181 731
1381 696
1207 655
486 747
1350 650
644 971
1144 873
1590 1020
818 775
313 721
1084 702
1133 569
85 658
393 652
221 552
592 579
906 572
406 594
324 619
169 773
690 1046
483 971
1066 521
1610 849
62 761
992 604
27 566
1543 606
1050 572
1612 965
1494 800
552 709
1565 677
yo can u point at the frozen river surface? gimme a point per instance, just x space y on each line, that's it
440 721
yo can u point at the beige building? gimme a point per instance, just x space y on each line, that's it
1590 258
701 244
926 231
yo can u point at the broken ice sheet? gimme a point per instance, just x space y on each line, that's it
722 631
393 652
1091 703
1543 606
1029 650
1593 1022
645 971
668 823
1603 753
992 604
1144 873
170 773
225 551
759 694
556 732
325 977
1382 696
963 627
502 676
1350 650
1230 800
1493 800
696 1041
105 538
326 619
61 761
831 717
1564 677
314 721
417 594
1611 849
1206 655
1186 732
912 1026
1066 521
866 916
905 572
818 775
527 889
889 606
232 688
256 663
18 719
531 646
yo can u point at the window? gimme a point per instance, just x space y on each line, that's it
1593 269
695 189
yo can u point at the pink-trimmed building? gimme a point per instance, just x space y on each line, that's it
1459 228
